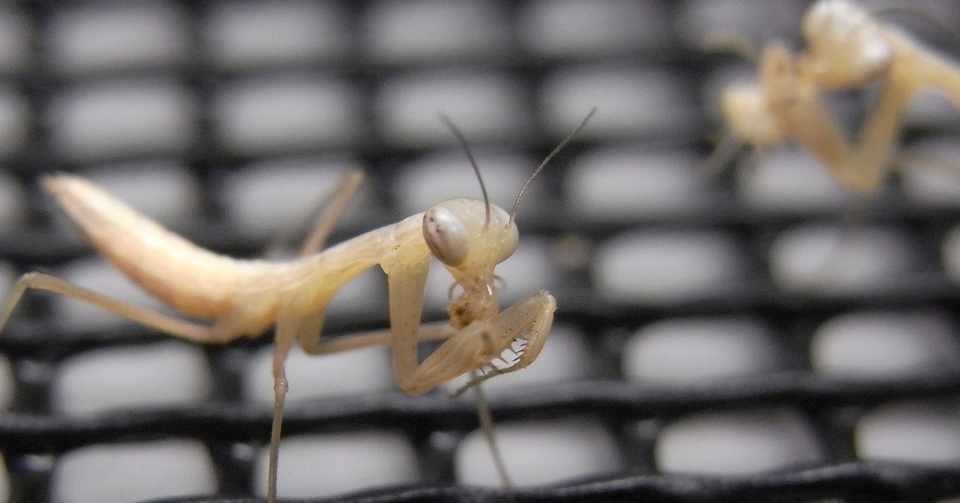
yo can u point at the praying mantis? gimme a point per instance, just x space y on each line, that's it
847 48
244 298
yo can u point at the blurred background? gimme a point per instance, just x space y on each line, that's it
697 333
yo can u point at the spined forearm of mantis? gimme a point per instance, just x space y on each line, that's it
246 297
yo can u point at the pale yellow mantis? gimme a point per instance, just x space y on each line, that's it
847 48
244 298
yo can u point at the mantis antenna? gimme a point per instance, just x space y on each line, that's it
473 162
555 151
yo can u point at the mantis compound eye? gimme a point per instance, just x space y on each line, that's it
445 235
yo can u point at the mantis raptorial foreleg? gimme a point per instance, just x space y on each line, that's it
532 318
406 281
529 320
204 334
462 350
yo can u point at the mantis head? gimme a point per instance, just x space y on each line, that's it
470 242
847 47
470 238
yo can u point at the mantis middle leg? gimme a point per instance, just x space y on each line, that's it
315 345
288 329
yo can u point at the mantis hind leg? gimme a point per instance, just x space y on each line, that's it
333 208
168 324
324 216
